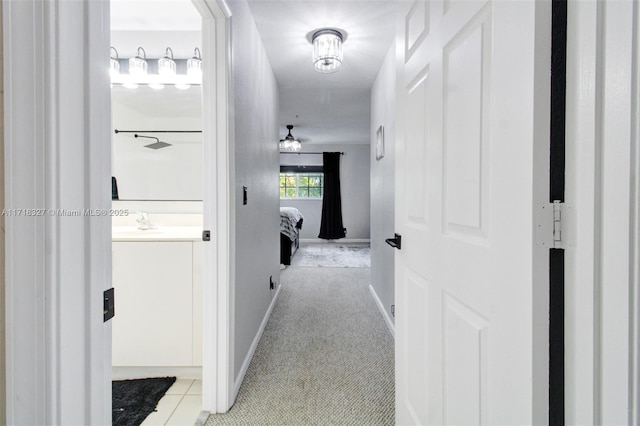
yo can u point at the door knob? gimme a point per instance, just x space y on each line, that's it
395 242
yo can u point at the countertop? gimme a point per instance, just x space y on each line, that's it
167 233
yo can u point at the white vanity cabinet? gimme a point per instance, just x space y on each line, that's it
158 317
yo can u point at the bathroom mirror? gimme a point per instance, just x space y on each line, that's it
168 168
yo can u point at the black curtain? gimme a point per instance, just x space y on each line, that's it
331 227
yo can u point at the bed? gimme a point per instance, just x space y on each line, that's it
290 226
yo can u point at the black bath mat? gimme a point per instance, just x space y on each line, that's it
134 400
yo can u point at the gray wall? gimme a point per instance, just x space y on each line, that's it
354 186
255 95
383 183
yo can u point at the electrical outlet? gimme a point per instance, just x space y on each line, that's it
272 284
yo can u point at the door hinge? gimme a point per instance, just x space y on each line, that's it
553 225
556 232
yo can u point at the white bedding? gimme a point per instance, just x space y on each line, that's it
289 218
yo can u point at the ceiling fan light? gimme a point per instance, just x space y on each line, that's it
289 143
327 51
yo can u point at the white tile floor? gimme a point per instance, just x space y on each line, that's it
180 406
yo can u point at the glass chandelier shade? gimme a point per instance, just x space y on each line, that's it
327 51
115 65
290 146
194 64
166 65
139 65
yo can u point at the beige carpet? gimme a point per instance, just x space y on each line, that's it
326 356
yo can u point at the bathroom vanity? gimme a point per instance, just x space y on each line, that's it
157 276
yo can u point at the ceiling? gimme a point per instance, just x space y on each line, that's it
154 25
324 108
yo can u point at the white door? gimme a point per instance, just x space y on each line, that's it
472 163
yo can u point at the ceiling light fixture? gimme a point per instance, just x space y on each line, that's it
194 64
327 50
166 65
139 65
289 143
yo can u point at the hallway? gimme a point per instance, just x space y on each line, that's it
326 355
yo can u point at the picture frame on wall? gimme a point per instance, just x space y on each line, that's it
380 142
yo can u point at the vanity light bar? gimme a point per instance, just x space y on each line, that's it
153 79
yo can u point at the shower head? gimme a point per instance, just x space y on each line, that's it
155 145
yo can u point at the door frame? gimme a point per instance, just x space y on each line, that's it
57 156
218 210
602 268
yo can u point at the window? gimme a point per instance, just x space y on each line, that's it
301 184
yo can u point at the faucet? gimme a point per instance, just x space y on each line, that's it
144 222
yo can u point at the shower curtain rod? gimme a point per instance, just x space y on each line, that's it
157 131
342 153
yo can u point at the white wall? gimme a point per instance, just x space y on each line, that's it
354 186
383 183
255 95
171 173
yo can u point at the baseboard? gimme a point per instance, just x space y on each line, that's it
202 418
127 373
341 240
384 313
254 345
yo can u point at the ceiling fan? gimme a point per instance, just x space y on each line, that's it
289 143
